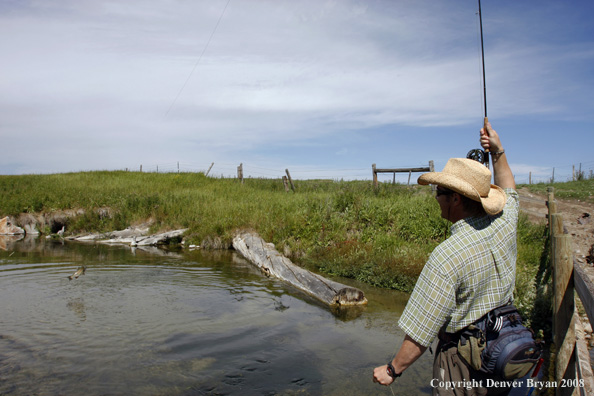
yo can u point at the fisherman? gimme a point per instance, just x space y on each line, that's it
466 276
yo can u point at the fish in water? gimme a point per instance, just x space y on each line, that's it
80 271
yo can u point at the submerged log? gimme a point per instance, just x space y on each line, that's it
271 262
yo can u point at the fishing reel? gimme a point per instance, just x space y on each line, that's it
478 155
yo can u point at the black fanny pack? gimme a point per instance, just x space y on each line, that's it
499 344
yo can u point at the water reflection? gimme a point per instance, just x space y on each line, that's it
7 242
182 324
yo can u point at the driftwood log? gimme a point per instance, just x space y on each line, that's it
271 262
132 237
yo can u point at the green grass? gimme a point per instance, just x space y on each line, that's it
382 237
582 190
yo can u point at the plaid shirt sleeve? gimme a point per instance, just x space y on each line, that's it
466 276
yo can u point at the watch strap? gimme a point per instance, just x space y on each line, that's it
391 372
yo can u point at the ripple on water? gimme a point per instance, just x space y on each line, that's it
145 325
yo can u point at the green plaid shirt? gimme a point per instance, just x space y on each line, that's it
466 276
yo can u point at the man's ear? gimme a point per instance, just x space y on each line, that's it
456 198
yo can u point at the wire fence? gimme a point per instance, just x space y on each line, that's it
557 174
229 170
523 175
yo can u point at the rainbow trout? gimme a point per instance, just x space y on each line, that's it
80 271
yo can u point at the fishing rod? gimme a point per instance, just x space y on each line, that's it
478 154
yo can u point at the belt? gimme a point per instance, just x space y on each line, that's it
446 337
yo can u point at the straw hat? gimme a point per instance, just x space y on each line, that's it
471 179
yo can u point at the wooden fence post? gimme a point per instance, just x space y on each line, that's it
290 180
551 203
286 183
563 310
374 175
432 169
555 229
552 207
208 171
240 173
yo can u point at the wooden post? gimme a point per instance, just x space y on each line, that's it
432 169
240 173
140 168
563 309
286 183
573 172
290 180
208 171
553 178
529 177
394 178
556 224
177 166
551 203
409 173
555 229
374 175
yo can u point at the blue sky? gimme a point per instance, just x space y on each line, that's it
323 88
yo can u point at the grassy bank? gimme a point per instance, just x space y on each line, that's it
582 190
382 237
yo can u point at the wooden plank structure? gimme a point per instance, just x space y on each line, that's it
573 372
376 170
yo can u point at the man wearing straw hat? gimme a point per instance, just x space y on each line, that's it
469 274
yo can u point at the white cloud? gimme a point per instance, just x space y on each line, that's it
98 81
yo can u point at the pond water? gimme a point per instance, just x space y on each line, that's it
183 323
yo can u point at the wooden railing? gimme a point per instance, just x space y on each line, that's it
376 170
573 373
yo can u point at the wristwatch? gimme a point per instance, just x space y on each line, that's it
391 372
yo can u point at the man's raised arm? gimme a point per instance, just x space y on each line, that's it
503 176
